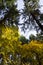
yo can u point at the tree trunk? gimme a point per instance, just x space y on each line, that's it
37 21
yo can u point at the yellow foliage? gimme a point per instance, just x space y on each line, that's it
31 51
8 42
10 45
10 33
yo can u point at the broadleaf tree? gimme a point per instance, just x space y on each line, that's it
9 17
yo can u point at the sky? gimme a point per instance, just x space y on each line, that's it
21 6
41 3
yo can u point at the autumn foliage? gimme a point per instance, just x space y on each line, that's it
12 52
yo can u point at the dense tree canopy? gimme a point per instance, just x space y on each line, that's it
8 12
31 53
16 49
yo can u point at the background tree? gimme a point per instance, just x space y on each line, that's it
23 40
38 37
32 37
